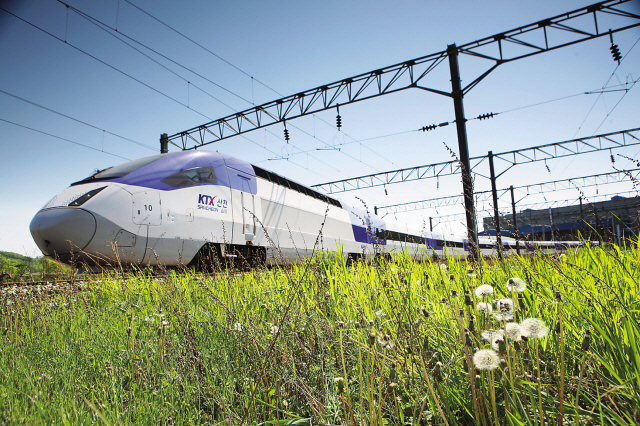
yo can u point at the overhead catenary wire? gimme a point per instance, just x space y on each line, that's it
107 29
105 63
127 75
76 120
214 54
113 31
64 139
204 48
603 86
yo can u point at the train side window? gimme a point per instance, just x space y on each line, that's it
191 177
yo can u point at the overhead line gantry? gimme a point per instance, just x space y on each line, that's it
556 32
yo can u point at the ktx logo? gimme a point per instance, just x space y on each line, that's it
206 199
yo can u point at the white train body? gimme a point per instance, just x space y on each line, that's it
168 209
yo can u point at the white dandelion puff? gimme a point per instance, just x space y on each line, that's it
492 335
484 290
237 327
513 331
443 266
484 307
534 328
274 329
516 284
486 359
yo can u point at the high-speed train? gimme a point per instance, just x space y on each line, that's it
195 206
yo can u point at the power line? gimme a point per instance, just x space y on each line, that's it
61 138
76 120
131 77
104 63
105 27
604 85
204 48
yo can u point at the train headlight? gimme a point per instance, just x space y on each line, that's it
86 197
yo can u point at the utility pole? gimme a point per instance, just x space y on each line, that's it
463 148
496 213
515 222
430 224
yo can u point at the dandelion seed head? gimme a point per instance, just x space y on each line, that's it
484 307
516 284
443 266
484 290
492 335
237 326
486 359
534 328
513 331
274 329
503 317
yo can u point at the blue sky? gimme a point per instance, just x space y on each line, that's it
288 47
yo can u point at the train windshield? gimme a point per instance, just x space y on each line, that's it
122 169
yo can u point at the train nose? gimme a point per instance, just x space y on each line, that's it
59 232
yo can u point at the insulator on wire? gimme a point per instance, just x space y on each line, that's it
338 118
427 128
486 116
615 52
286 133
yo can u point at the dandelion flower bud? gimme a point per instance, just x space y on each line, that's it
516 284
484 290
534 328
424 312
128 331
339 384
393 386
467 299
425 343
486 359
558 297
454 293
372 338
586 342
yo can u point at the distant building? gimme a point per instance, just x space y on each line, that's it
610 219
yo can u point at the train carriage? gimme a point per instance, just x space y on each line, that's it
179 208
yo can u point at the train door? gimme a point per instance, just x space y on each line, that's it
147 214
247 200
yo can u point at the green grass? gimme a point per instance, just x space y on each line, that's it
268 346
